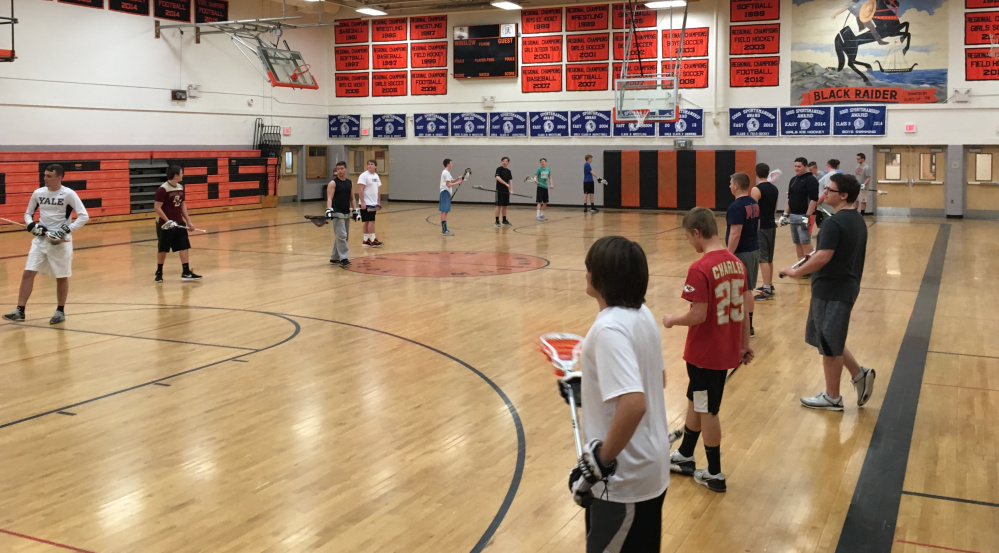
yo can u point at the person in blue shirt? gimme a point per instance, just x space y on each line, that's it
588 177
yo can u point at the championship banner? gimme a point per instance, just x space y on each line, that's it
979 4
979 27
428 27
174 10
586 18
693 73
586 76
352 85
345 126
99 4
541 78
752 121
428 54
549 124
508 124
351 58
643 44
389 83
754 72
389 56
644 16
469 124
588 47
135 7
760 10
392 29
541 20
859 120
209 11
689 124
870 51
813 121
754 39
541 49
391 125
590 123
350 31
695 42
430 82
980 66
634 70
430 125
634 129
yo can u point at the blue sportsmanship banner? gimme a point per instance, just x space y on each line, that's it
590 123
811 121
634 129
469 124
689 124
752 122
547 124
390 125
431 124
859 120
345 126
508 124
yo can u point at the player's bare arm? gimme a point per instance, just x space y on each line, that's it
816 261
697 314
629 412
733 237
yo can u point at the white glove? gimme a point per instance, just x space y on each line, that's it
783 221
357 214
37 229
329 213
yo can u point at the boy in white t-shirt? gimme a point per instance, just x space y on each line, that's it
447 184
625 465
370 202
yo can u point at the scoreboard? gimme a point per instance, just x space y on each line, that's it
485 51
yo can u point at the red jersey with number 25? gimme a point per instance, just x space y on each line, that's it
719 280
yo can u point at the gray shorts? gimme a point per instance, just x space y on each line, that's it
767 237
828 323
751 260
800 233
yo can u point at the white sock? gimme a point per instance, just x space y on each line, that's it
539 213
367 237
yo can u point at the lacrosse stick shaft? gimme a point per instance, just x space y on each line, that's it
497 191
575 423
12 222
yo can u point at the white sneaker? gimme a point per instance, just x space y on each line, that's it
714 482
823 401
540 218
680 464
864 384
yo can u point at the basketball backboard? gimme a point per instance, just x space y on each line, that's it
7 21
286 68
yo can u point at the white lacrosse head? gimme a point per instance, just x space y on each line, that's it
563 350
774 175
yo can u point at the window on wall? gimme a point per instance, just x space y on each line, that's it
289 163
359 162
927 167
316 166
893 166
983 167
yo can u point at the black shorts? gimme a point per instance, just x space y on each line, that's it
542 195
827 325
706 388
587 187
174 239
605 520
367 215
502 195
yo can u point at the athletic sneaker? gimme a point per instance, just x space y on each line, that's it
714 482
344 262
376 243
190 276
58 317
497 224
683 465
506 223
334 261
543 218
447 233
158 277
540 218
865 385
823 401
752 332
366 243
586 210
593 209
764 295
15 316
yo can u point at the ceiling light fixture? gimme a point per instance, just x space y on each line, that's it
371 10
666 4
505 5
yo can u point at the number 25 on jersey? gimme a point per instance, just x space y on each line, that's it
729 296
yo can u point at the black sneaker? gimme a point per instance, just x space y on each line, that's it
714 482
334 261
344 262
680 464
586 210
190 276
15 315
594 209
507 223
158 277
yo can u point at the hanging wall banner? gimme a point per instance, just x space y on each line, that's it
429 82
590 123
754 72
352 85
695 42
859 120
588 47
981 28
391 125
428 27
760 10
586 18
469 124
541 78
136 7
389 30
979 4
428 54
541 20
644 16
586 76
431 125
634 129
980 66
174 10
754 39
752 121
812 121
693 73
351 58
345 126
508 124
351 31
643 45
389 83
99 4
210 11
689 124
548 124
541 49
389 56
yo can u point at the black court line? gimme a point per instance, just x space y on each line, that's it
129 336
241 360
954 499
67 413
161 384
962 354
873 514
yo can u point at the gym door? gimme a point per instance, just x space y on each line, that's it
982 182
913 177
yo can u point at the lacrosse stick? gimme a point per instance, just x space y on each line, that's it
774 175
530 178
12 222
602 181
497 191
169 225
796 265
464 177
564 350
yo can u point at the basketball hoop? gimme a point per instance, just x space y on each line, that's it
640 115
298 72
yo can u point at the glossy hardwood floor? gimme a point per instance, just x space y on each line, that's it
286 405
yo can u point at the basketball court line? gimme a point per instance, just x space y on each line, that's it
937 546
46 542
958 354
49 327
954 499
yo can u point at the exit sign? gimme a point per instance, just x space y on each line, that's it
910 127
286 131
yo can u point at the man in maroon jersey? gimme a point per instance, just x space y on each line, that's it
171 232
717 340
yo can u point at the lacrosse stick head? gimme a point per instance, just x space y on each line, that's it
54 238
529 178
774 175
467 173
602 181
563 350
318 220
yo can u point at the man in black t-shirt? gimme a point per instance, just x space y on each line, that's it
504 186
838 266
339 205
743 218
765 194
802 199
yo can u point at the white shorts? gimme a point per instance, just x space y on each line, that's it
50 259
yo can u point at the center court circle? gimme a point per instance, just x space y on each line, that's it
447 264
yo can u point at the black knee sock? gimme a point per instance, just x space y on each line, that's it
750 320
21 309
689 441
714 458
497 219
187 267
159 267
61 309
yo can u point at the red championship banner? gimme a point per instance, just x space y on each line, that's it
980 4
979 66
588 47
644 17
754 72
643 44
541 20
392 29
693 73
634 70
754 39
541 78
351 58
979 26
541 49
389 56
755 10
351 31
352 85
389 83
872 94
428 54
428 27
586 76
586 18
431 82
695 42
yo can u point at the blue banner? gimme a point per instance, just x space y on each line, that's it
689 124
859 120
345 126
752 122
810 121
469 124
430 124
546 124
508 124
390 125
590 123
634 129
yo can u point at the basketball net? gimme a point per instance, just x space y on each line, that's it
640 115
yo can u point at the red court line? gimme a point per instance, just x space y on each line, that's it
47 542
937 547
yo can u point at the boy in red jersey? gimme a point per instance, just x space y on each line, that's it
717 340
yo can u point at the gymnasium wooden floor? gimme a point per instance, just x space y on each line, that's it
285 405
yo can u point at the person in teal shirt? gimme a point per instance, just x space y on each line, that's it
543 177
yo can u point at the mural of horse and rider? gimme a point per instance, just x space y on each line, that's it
869 51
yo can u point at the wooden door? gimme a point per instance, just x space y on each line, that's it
981 178
911 179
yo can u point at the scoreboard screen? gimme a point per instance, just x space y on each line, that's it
485 51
